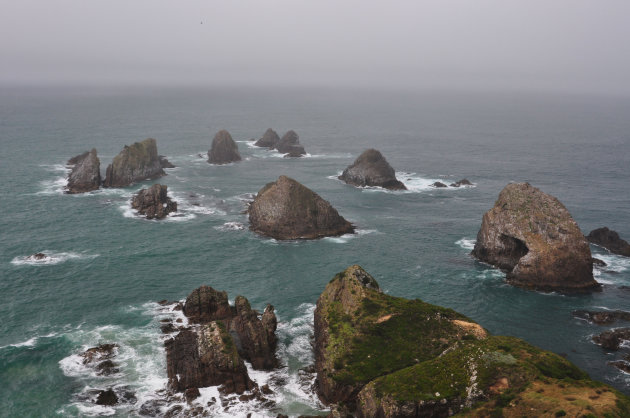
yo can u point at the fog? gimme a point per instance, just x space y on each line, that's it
558 45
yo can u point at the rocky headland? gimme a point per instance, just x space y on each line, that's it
286 209
610 240
224 150
85 175
372 169
135 163
532 237
154 202
383 356
270 139
290 144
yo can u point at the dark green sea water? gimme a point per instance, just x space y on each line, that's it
110 267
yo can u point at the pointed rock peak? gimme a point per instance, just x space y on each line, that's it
224 150
206 304
372 169
86 173
135 163
269 140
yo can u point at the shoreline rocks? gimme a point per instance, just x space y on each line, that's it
372 169
610 240
462 182
533 238
224 150
135 163
86 173
612 339
286 210
153 202
602 317
270 139
290 144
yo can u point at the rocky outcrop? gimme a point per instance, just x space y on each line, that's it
602 317
381 356
99 358
164 163
610 240
205 304
285 209
224 150
85 175
135 163
290 144
269 140
531 235
438 184
462 182
612 339
372 169
153 202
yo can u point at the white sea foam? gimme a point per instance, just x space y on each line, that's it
413 182
51 258
230 226
347 237
466 243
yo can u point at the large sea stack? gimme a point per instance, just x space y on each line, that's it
224 150
286 209
372 169
212 351
135 163
269 140
290 144
153 202
610 240
86 173
382 356
531 235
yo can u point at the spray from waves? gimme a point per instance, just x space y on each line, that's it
187 208
615 272
230 226
347 237
413 183
58 184
31 342
51 258
466 243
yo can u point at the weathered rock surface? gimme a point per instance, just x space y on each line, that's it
85 175
153 202
135 163
602 317
295 151
462 182
612 339
372 169
107 397
205 304
531 235
610 240
383 356
286 209
269 140
224 150
37 256
290 144
622 365
100 359
164 163
438 184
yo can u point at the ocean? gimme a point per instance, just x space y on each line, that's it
108 267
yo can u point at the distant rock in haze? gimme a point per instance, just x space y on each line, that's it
462 182
532 236
135 163
610 240
86 173
438 184
153 202
269 140
372 169
290 144
286 209
165 163
224 150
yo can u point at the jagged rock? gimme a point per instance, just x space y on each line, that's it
382 356
106 368
286 209
372 169
85 175
164 163
602 317
269 140
290 144
101 352
612 339
462 182
37 256
135 163
107 397
438 184
598 262
295 151
531 235
224 150
191 394
153 202
624 366
205 304
610 240
270 324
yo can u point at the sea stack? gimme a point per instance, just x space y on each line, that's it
610 240
532 236
290 144
224 150
135 163
269 140
153 202
286 209
372 169
86 173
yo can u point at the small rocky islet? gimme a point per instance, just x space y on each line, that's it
154 202
289 144
371 169
224 150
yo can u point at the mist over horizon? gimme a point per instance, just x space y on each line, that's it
562 46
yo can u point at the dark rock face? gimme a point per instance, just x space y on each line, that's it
462 182
269 140
205 304
598 262
154 202
164 163
532 236
372 169
107 397
438 184
622 365
612 339
610 240
290 144
295 151
37 256
86 173
224 150
602 317
135 163
286 209
100 359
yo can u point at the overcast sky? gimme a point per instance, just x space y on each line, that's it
574 45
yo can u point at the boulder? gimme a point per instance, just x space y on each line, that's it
153 202
98 353
205 304
164 163
295 151
135 163
85 175
610 240
269 140
438 184
37 256
612 339
286 209
290 144
602 317
372 169
382 356
224 150
462 182
531 235
107 397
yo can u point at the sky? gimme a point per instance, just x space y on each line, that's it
567 45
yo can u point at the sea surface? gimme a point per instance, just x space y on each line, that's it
107 268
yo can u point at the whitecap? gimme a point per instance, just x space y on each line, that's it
466 243
51 258
347 237
230 226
